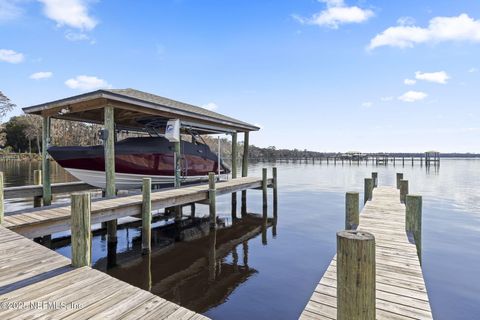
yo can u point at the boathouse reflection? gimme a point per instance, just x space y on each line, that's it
191 264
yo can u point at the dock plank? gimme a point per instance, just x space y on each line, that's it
36 282
400 287
48 220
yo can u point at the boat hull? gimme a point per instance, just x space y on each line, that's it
127 180
137 158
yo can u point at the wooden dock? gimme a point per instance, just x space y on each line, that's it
400 287
36 282
43 221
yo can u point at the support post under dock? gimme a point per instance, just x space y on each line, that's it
245 171
212 199
234 172
146 216
37 180
81 233
413 220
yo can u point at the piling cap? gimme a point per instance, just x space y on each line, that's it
356 235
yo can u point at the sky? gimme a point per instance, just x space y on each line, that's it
329 75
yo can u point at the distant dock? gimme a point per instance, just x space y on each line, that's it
396 289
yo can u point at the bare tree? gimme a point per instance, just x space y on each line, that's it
5 105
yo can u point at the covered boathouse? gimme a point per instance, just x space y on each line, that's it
130 109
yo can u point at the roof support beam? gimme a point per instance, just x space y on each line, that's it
109 147
47 188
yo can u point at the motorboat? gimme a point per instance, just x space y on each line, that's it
139 157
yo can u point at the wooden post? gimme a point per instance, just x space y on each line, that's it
109 123
81 233
2 206
355 275
212 194
375 179
399 177
352 217
109 149
403 190
37 180
264 187
146 216
245 171
47 188
413 220
234 173
275 190
368 190
178 164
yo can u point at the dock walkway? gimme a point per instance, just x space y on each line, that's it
36 282
400 287
48 220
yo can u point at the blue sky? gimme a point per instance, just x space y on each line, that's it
323 75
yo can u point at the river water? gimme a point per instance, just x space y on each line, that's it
269 271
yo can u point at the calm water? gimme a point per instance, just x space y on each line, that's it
267 271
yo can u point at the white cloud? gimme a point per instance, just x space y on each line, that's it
9 10
72 13
337 13
389 98
473 70
440 29
409 82
76 36
11 56
210 106
412 96
437 77
406 21
87 83
41 75
367 104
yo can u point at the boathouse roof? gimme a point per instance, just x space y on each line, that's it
133 108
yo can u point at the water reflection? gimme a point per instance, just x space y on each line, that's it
241 277
190 264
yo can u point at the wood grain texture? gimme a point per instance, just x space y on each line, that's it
44 221
37 283
400 287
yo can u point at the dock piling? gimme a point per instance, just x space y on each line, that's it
245 171
275 189
368 190
146 216
413 220
375 179
352 217
355 275
403 190
81 233
234 172
264 187
212 194
399 177
37 180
